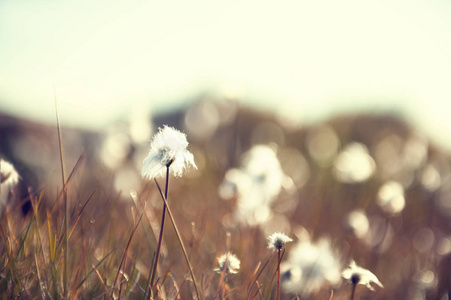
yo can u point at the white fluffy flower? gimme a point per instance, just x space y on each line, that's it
256 184
358 275
8 174
263 166
230 262
357 223
168 148
277 240
310 266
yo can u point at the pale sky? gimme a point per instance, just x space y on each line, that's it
104 58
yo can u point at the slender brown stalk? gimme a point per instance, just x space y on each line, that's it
102 282
251 284
66 204
224 284
160 238
124 256
199 295
353 291
278 275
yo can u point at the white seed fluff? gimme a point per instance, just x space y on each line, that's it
277 240
229 262
8 174
168 148
359 275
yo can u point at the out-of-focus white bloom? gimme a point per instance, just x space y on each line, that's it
8 174
357 223
358 275
255 184
263 166
391 197
235 183
309 267
354 164
277 240
168 148
229 262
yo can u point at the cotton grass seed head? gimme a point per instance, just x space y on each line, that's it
8 174
168 148
228 263
311 266
277 240
358 275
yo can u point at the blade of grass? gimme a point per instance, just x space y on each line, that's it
101 281
130 282
35 202
148 289
251 284
52 241
39 276
124 255
280 257
65 200
96 266
66 183
149 215
79 214
22 242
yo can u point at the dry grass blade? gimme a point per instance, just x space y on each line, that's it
96 266
66 205
39 276
151 221
251 284
101 280
125 254
79 214
66 183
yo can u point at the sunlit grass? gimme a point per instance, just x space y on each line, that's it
109 245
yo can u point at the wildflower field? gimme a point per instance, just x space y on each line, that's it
219 201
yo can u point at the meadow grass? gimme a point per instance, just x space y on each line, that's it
93 242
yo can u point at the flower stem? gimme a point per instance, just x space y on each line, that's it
160 238
199 295
353 291
278 276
